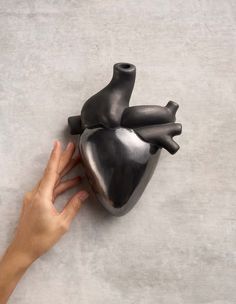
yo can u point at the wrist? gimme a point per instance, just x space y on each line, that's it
18 258
13 265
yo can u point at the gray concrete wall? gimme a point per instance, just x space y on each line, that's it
176 246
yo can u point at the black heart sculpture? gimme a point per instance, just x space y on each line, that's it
120 145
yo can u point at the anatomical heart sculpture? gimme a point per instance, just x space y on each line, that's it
120 145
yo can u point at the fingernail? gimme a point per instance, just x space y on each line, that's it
83 195
55 144
69 145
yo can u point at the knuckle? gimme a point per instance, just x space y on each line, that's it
38 197
75 205
51 172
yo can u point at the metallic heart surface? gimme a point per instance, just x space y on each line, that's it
120 144
118 165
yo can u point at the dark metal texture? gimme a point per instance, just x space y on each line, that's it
120 145
118 165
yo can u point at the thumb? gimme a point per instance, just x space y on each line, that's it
72 207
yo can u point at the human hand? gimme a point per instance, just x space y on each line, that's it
41 225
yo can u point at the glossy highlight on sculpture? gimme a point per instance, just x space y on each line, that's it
120 145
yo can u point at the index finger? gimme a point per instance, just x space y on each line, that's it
51 174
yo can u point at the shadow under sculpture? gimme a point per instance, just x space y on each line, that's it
120 145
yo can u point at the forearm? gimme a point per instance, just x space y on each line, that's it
12 267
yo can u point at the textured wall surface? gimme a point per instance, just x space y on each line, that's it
176 246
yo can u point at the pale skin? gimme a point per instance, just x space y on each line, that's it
40 225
